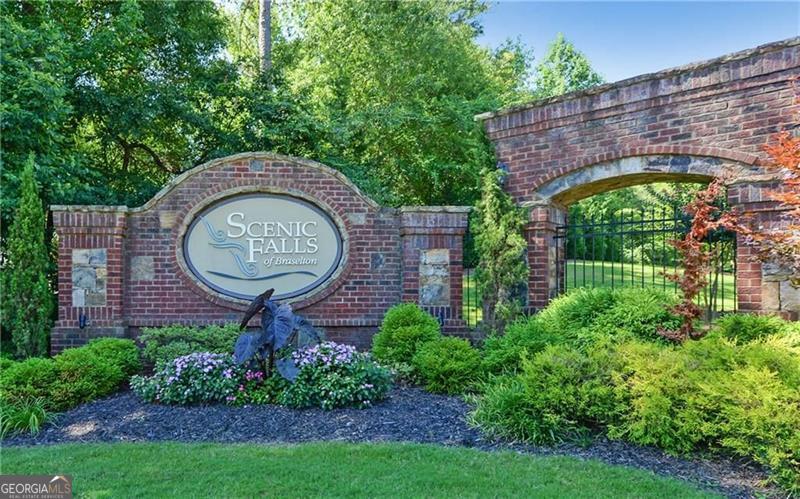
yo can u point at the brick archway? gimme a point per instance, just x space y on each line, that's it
682 124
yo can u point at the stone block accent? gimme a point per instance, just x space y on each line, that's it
430 236
434 277
143 268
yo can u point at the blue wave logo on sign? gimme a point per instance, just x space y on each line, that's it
233 246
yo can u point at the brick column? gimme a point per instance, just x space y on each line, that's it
90 277
545 272
763 288
433 246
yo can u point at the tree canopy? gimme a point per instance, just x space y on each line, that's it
114 98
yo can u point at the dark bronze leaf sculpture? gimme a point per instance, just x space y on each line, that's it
279 327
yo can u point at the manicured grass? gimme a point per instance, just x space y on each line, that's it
600 274
330 469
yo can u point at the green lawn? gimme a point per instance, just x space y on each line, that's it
600 274
330 469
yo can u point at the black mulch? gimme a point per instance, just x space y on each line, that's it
410 414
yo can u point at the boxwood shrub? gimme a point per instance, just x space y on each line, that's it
164 344
403 330
448 365
75 376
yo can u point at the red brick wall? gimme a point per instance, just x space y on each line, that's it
726 108
349 308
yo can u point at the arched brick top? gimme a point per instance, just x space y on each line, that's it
726 108
671 150
630 170
255 156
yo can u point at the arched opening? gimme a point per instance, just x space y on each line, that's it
609 225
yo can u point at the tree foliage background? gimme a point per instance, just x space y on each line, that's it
114 98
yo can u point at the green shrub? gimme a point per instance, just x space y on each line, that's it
715 394
586 319
164 344
559 394
448 365
569 313
503 410
404 329
82 377
710 394
526 336
120 352
749 327
5 363
33 378
27 416
635 314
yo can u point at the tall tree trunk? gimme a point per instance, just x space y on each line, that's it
264 36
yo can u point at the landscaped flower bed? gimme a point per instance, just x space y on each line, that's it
330 375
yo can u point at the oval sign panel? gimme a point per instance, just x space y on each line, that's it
246 244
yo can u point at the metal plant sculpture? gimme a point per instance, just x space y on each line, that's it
280 327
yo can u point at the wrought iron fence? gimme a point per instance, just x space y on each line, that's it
634 250
472 305
630 250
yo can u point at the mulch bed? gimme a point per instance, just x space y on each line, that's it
410 414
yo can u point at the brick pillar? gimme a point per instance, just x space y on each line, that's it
433 246
762 288
90 275
543 250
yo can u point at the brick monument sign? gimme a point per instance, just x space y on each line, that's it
224 231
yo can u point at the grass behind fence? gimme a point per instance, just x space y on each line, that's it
601 274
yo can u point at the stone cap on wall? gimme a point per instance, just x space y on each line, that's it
765 59
434 219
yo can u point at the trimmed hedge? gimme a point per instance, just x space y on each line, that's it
165 344
405 328
448 365
75 376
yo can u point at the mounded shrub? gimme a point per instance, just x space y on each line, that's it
83 376
120 352
404 329
33 378
635 314
165 344
526 336
334 375
749 327
448 365
569 313
559 394
584 318
711 394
